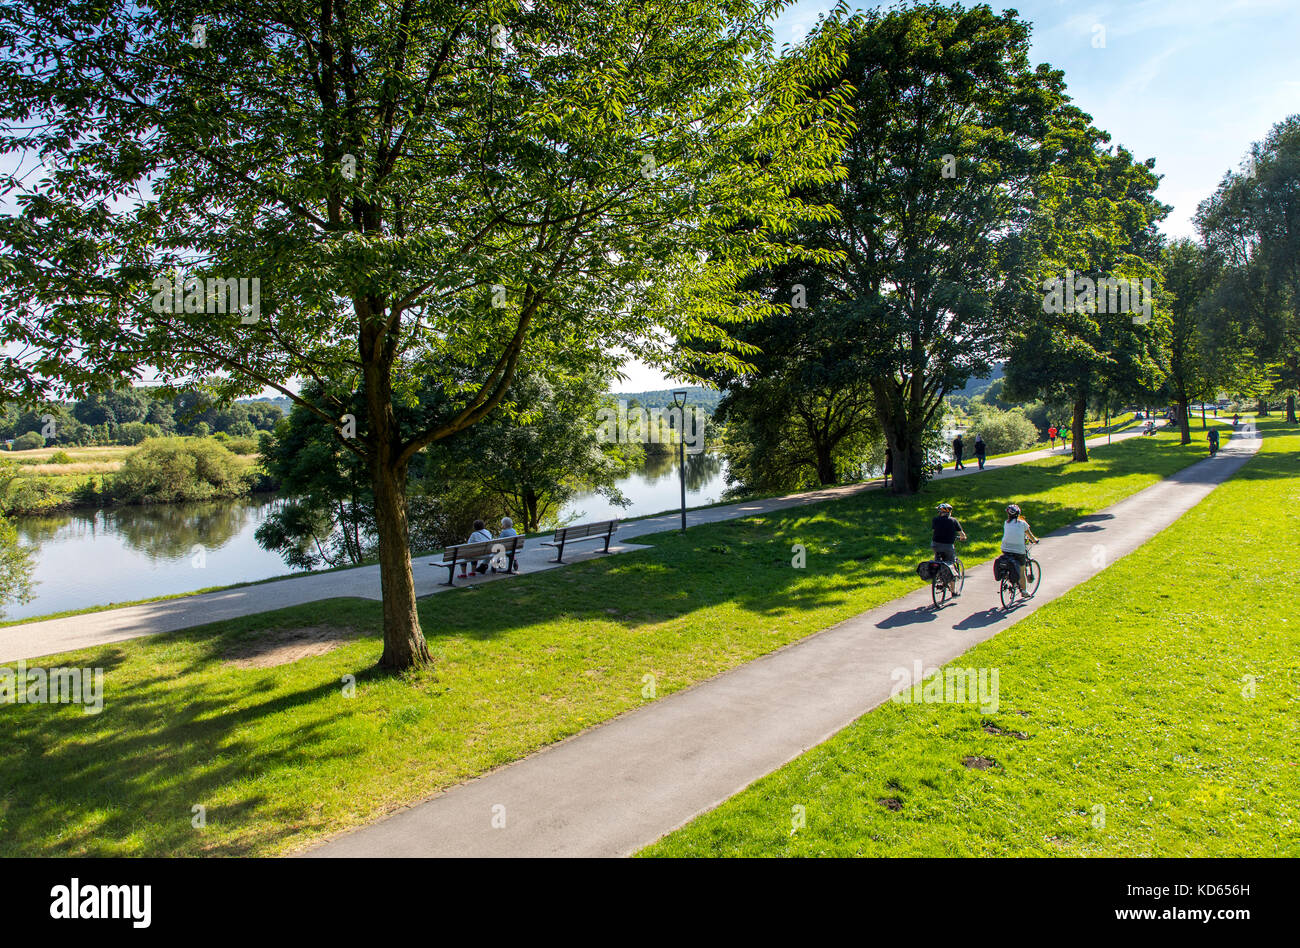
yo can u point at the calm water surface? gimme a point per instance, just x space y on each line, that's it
94 558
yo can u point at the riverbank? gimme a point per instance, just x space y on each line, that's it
66 479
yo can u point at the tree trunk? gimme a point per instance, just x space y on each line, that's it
826 473
1076 427
404 644
1262 409
1183 424
1290 410
531 524
908 459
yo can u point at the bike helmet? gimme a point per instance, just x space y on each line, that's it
1013 511
944 506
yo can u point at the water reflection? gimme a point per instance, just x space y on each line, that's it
121 554
655 489
158 531
701 470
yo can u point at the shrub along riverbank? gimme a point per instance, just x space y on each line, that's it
161 470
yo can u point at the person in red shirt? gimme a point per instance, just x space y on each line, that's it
1051 434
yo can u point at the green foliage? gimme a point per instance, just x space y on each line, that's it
1003 431
1095 220
135 432
542 448
29 441
170 470
796 427
952 130
16 561
1251 227
327 518
59 457
438 208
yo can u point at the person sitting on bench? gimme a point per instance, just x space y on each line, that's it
481 534
508 530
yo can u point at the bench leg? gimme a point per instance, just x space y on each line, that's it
451 574
559 557
607 539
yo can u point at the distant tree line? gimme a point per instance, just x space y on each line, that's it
132 415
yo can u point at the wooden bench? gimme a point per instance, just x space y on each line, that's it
584 531
481 550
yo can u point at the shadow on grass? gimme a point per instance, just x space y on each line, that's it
871 539
186 727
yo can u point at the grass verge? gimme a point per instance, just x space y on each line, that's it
1152 711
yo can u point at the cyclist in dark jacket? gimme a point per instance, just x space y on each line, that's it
945 531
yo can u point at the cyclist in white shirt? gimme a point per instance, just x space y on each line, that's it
1016 536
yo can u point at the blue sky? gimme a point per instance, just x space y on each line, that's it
1190 83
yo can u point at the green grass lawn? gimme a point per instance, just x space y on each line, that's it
1160 703
280 756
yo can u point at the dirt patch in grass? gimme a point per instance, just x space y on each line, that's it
994 729
282 646
891 803
979 763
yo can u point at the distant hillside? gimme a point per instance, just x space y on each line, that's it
979 386
279 402
696 395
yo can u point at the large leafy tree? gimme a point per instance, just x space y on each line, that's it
805 413
1252 225
544 448
1187 276
426 192
1095 221
949 126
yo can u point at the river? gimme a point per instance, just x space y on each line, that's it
97 557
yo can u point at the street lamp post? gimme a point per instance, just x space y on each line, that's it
679 402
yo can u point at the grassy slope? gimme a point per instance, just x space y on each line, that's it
279 756
1133 697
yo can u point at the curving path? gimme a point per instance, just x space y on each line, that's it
619 786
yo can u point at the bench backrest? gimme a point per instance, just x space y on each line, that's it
586 530
471 551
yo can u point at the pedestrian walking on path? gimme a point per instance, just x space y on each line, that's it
980 450
1214 441
957 449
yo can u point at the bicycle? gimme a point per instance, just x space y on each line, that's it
939 590
1010 587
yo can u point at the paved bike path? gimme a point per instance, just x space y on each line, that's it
621 785
52 636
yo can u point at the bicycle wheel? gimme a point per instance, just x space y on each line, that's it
1008 591
961 575
938 591
1033 576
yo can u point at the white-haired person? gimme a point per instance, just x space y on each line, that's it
508 530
